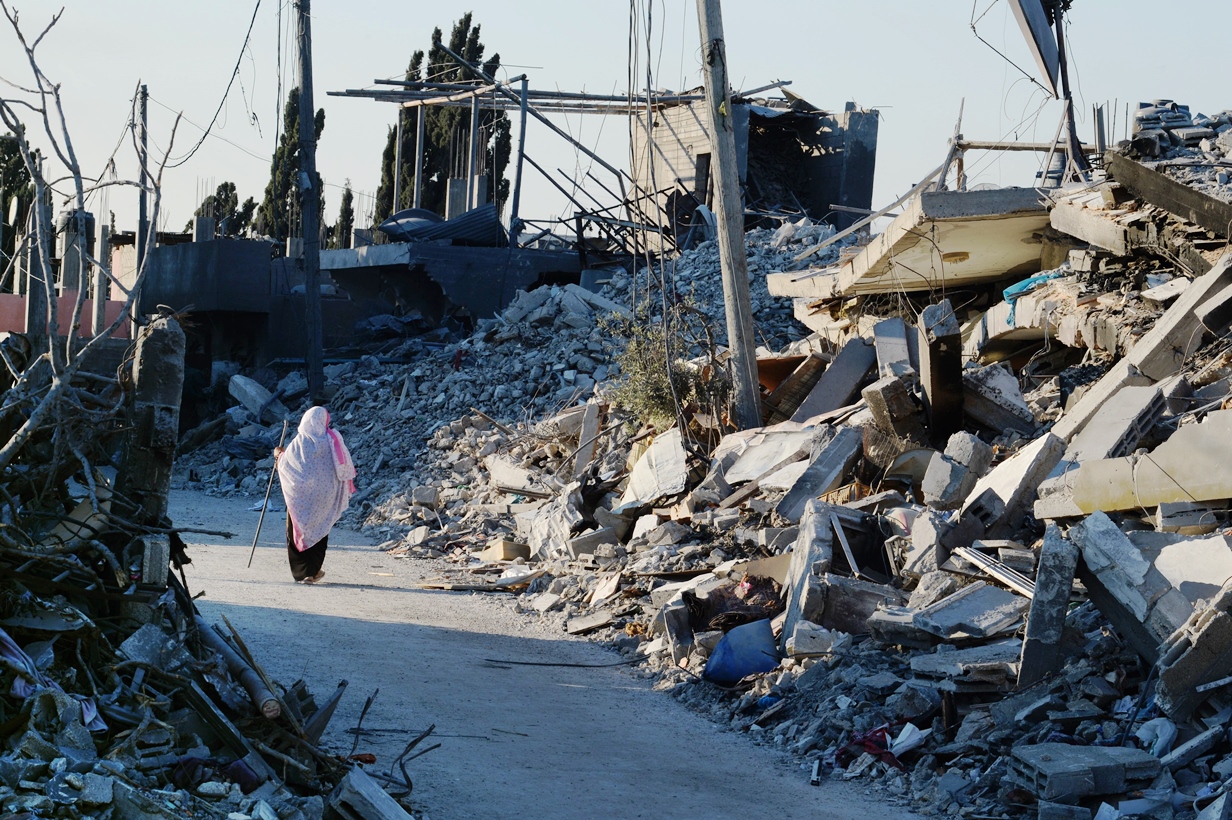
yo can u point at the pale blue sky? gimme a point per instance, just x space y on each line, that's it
914 59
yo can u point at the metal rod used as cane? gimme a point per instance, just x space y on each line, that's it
268 488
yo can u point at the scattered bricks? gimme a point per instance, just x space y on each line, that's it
1060 773
893 352
894 410
1041 646
941 369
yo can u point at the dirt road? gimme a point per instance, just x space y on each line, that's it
518 741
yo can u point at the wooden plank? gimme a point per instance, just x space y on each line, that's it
1172 196
740 496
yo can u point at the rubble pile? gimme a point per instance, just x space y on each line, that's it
117 699
548 350
979 553
1193 150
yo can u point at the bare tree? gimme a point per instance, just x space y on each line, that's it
57 422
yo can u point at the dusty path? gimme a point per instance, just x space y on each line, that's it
542 742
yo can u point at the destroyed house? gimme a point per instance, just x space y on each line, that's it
793 157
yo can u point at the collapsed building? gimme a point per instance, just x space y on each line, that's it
979 551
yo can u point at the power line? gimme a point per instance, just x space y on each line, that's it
234 73
207 133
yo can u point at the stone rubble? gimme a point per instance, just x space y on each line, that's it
951 613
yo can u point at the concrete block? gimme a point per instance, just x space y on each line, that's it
1118 426
1191 750
977 610
257 400
1061 773
1041 646
1188 518
1059 811
425 496
946 483
840 380
155 560
970 451
893 409
807 638
993 399
941 378
893 353
810 557
849 602
1077 416
358 795
1011 485
1190 466
827 470
587 542
932 587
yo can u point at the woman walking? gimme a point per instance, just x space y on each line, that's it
317 478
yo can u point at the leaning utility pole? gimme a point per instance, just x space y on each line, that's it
730 214
310 204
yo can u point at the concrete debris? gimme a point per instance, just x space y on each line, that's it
999 520
117 700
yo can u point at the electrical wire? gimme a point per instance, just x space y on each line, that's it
234 73
206 133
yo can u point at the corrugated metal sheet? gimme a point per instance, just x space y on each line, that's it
479 226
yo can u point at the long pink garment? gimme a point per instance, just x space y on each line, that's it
317 477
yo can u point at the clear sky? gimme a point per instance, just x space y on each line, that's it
915 60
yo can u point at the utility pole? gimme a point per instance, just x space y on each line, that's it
419 156
730 214
1073 148
310 199
143 224
515 227
473 163
398 163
